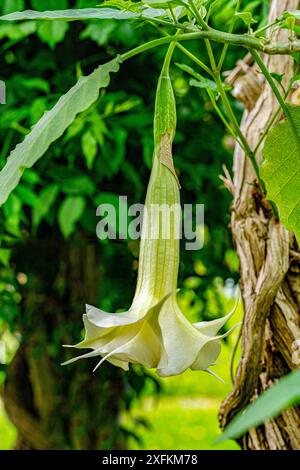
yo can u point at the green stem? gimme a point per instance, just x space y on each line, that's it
230 30
189 54
270 80
236 127
226 103
168 57
266 27
266 131
173 16
277 93
270 124
222 117
210 55
247 41
211 96
239 136
162 22
194 59
199 18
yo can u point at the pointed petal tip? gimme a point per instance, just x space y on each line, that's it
231 330
69 361
211 372
211 327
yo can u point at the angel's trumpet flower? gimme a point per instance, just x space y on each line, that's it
154 332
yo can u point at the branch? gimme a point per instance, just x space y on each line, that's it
241 40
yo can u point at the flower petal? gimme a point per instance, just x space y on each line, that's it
181 340
116 362
143 348
207 355
211 328
107 320
82 356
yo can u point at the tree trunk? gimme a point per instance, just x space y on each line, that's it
270 265
55 407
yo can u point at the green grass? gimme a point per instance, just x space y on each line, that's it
8 433
185 415
181 424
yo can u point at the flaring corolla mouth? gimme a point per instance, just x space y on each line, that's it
160 337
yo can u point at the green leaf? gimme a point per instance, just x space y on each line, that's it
294 79
69 213
281 171
53 124
295 14
290 23
13 211
159 3
46 198
80 184
36 83
253 5
51 4
189 70
71 180
12 5
89 148
99 35
52 32
82 14
199 81
16 32
113 151
278 77
27 196
246 17
31 177
284 394
5 254
204 83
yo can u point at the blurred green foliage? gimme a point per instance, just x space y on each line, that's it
105 153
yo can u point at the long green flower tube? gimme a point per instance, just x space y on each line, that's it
154 332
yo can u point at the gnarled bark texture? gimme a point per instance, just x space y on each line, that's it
270 266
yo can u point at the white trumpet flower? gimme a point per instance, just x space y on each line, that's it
154 332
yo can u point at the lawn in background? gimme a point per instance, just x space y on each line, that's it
185 415
8 433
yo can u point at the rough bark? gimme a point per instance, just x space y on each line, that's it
54 407
269 267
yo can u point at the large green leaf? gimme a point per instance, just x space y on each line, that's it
83 14
284 394
295 14
281 170
52 125
69 213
